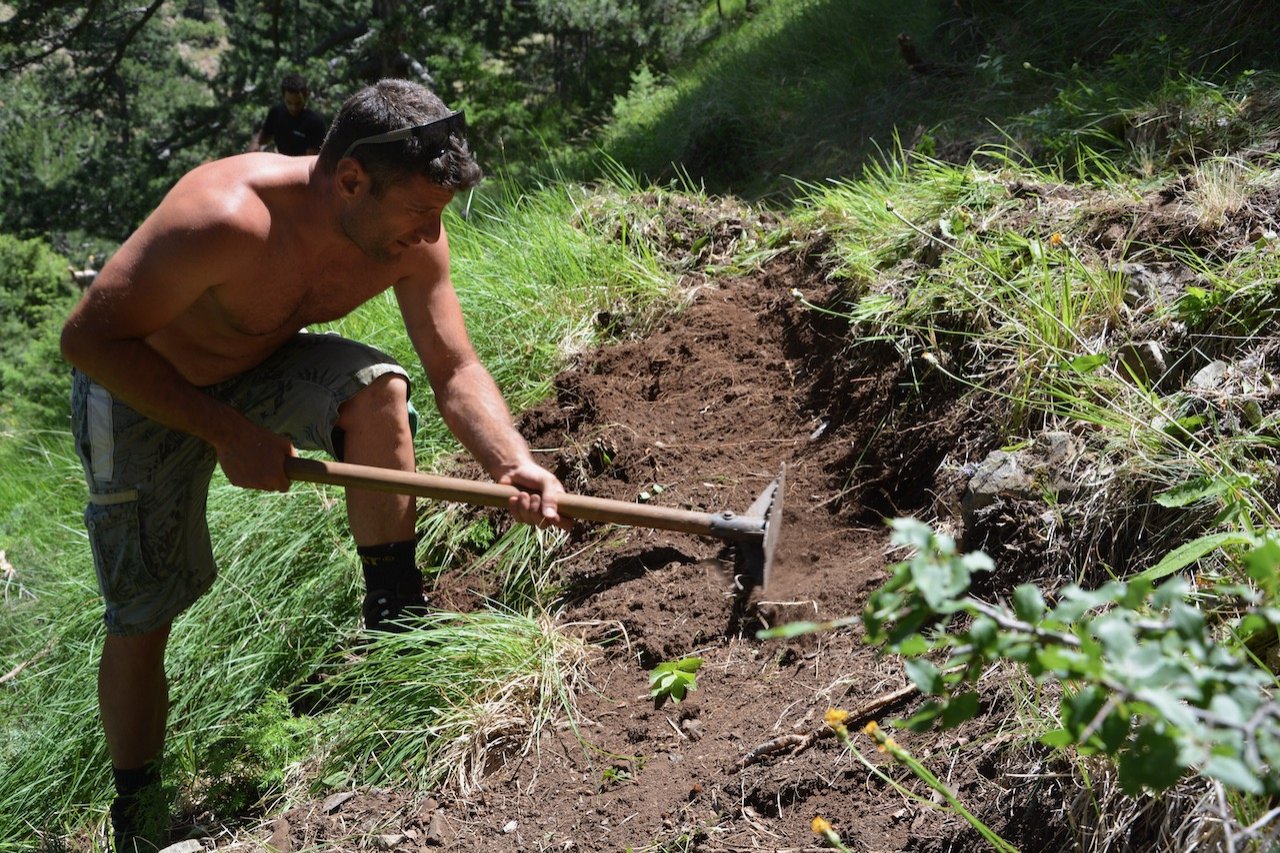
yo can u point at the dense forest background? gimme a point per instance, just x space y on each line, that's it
103 105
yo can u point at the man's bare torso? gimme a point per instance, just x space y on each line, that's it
297 269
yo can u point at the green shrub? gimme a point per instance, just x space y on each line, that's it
36 292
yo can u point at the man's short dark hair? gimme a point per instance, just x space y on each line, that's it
391 105
294 83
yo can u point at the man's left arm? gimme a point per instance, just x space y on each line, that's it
468 398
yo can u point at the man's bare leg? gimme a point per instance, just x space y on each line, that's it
133 696
376 427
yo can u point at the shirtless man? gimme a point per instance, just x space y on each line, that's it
189 351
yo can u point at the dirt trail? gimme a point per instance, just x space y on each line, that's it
709 408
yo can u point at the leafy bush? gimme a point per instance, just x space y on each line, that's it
1152 681
36 292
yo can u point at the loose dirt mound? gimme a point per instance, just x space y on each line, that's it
703 414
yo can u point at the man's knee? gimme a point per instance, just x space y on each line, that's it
139 651
385 397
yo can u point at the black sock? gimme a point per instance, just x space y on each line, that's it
135 817
392 566
130 781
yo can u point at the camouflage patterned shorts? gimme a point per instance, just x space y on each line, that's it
148 484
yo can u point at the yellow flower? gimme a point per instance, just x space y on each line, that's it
1055 240
820 825
871 728
836 717
886 745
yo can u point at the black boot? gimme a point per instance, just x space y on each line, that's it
386 609
394 586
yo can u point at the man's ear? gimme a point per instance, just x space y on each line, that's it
349 177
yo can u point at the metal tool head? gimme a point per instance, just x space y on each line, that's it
756 555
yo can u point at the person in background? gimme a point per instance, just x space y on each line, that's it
190 351
295 129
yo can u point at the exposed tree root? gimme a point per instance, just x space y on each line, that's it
799 743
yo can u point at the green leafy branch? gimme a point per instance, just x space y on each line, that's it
1148 682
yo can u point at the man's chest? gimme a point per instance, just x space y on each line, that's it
284 300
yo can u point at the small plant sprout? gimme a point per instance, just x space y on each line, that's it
652 492
674 680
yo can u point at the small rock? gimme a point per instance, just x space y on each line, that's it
331 802
1001 472
389 841
1211 377
510 826
436 829
1059 448
184 847
280 840
691 728
1144 361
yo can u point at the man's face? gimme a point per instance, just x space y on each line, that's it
295 102
407 213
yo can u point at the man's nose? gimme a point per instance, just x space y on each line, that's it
429 231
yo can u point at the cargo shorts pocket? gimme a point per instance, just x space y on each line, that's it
115 535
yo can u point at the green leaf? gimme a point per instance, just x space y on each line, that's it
1186 554
1234 773
1078 709
1028 603
1084 363
1151 761
984 633
674 679
1263 565
1114 730
922 720
940 581
960 709
913 646
1057 739
1198 489
924 675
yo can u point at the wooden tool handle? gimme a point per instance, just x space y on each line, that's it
720 525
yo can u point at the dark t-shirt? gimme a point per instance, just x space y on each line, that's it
293 136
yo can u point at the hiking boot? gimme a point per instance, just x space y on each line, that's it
391 610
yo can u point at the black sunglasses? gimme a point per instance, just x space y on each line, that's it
433 132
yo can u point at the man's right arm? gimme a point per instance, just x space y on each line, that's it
183 250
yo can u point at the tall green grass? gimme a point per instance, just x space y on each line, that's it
437 705
531 277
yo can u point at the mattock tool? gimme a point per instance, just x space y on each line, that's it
755 533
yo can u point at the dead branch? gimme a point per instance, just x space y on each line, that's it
856 718
17 670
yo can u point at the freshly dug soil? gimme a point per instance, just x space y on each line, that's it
703 414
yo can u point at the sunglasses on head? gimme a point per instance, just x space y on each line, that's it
432 133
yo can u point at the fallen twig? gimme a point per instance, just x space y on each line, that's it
856 718
17 670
